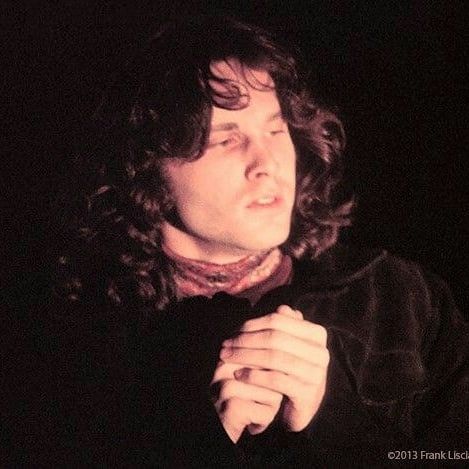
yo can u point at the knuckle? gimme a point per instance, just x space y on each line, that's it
275 358
327 357
274 398
323 334
299 313
232 406
219 372
273 337
317 376
220 364
224 372
226 390
267 418
318 334
284 309
246 326
278 380
278 401
234 341
273 319
287 361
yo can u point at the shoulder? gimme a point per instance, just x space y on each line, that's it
393 320
374 285
372 269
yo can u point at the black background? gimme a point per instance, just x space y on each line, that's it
397 71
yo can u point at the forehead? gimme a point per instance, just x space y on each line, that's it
258 97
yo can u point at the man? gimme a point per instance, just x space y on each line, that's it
214 320
224 220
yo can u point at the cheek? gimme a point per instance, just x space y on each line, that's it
285 147
203 186
183 183
288 161
201 194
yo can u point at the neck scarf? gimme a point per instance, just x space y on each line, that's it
195 277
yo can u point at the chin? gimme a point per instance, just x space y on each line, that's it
267 241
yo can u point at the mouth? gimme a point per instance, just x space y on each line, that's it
266 201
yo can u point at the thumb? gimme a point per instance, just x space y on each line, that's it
287 311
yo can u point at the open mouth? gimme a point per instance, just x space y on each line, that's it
266 202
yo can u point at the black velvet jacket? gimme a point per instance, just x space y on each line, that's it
104 392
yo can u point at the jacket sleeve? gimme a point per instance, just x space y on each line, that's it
178 356
441 413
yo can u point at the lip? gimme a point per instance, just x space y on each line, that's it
276 202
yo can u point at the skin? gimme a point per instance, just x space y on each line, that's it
277 356
250 155
280 357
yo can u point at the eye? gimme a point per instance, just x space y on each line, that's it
277 132
226 143
279 127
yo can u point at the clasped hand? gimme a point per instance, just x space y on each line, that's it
273 357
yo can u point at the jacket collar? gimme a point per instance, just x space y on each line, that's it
337 267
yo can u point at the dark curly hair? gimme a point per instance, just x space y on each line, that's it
161 107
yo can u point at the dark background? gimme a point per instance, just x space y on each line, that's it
397 71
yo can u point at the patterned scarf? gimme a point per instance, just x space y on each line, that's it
205 278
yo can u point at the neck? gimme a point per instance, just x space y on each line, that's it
197 249
195 277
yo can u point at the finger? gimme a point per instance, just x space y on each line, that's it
271 360
236 413
288 311
299 328
233 388
288 385
255 429
246 412
224 371
278 340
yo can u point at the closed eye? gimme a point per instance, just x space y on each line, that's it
229 142
277 127
221 143
277 132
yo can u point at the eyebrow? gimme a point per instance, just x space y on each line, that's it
233 126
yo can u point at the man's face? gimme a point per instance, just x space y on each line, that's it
237 198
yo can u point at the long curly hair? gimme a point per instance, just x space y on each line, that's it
159 108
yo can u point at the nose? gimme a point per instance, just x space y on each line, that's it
261 162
